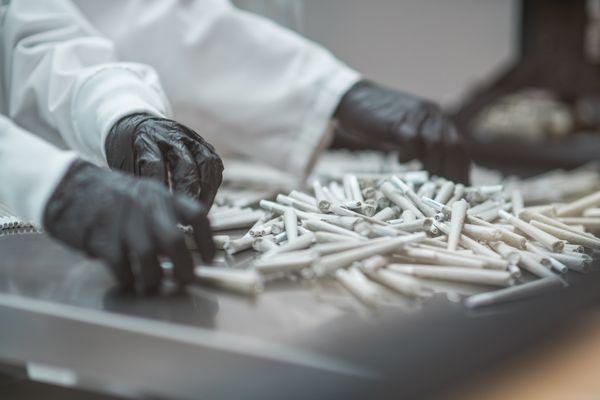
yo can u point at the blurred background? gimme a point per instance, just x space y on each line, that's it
520 77
430 48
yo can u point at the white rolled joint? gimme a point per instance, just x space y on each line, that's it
514 293
336 247
341 221
300 243
555 264
266 228
579 223
445 192
400 283
330 263
529 215
374 263
263 244
457 220
279 209
518 204
459 193
371 231
571 237
592 212
317 225
479 248
352 204
287 262
399 199
416 200
300 205
578 206
301 196
385 214
235 221
369 193
508 252
424 224
369 207
576 263
484 277
220 241
237 245
324 200
526 260
358 285
486 261
353 188
514 271
337 193
482 233
443 257
290 221
408 216
426 190
246 282
547 240
329 237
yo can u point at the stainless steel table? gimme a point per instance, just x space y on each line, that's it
60 311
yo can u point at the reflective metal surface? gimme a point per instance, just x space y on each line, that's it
298 339
34 266
60 309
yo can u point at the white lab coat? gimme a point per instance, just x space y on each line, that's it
245 84
60 81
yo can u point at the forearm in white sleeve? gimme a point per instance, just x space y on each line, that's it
65 73
30 170
242 81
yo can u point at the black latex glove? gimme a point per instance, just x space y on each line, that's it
377 115
126 222
162 149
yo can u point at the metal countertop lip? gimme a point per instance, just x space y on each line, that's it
223 341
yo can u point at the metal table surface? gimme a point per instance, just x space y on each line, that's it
60 310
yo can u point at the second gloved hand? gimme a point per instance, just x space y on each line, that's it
377 115
128 223
165 150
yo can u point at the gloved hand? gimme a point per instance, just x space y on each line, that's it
417 127
126 222
160 148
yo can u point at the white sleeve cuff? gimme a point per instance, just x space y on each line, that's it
30 170
109 94
316 132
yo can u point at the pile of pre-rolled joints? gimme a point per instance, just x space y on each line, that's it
378 230
10 225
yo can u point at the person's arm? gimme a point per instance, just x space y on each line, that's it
382 117
30 170
245 83
61 69
118 219
65 72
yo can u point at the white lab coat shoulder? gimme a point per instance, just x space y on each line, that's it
247 85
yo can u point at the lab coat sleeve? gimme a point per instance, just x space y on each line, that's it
241 80
61 68
30 170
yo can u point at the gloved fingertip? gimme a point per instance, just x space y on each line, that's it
150 290
188 208
209 251
123 274
184 276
